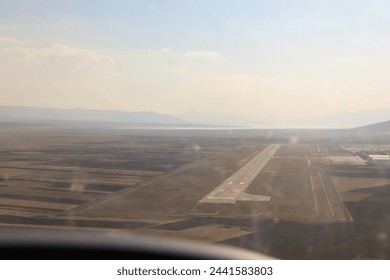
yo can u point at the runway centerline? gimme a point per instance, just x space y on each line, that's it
230 189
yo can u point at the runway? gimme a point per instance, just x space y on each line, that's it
229 191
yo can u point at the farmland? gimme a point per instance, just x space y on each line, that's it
312 199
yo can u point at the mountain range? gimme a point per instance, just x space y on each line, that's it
339 120
39 114
374 128
342 119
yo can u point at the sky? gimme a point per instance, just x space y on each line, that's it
267 58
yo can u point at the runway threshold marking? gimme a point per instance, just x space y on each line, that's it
230 189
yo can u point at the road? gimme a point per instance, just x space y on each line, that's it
230 189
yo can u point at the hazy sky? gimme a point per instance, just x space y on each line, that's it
272 58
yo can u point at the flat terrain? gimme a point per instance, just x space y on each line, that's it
292 194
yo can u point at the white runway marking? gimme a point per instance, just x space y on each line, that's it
230 189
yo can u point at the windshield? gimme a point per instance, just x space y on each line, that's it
261 125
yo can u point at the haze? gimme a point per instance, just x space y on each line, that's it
267 58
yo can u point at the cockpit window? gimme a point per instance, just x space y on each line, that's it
261 125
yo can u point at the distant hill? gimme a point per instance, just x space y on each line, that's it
343 119
39 114
382 127
358 118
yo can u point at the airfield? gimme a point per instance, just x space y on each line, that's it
295 194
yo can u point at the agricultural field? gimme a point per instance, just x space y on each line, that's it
309 198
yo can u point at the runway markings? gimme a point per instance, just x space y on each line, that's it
230 189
